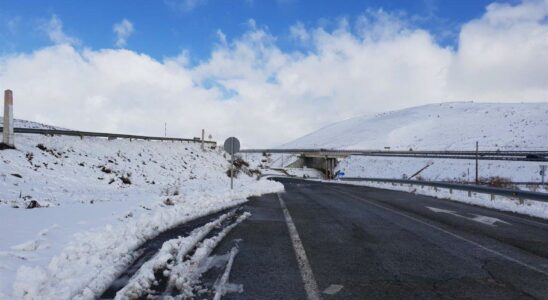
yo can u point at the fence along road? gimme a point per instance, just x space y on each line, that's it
105 135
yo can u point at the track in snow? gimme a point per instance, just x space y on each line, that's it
172 263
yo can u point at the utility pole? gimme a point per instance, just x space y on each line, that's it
165 129
477 154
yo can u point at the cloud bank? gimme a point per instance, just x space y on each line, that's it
251 88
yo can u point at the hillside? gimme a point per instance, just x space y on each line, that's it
76 208
445 126
29 124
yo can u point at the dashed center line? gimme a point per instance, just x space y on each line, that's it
310 285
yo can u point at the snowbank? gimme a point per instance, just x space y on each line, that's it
97 201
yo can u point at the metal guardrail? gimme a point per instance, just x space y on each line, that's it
481 155
463 187
102 134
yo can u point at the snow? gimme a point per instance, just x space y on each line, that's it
185 274
172 251
18 123
90 221
460 170
526 207
278 164
223 286
444 126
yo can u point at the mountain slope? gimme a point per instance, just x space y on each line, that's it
444 126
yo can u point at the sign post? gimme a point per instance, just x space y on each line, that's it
232 145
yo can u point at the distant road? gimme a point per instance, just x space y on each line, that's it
365 243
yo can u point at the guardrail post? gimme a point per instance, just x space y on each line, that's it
8 139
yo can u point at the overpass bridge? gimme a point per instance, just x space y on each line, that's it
327 159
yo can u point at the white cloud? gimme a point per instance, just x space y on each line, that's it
221 36
54 30
252 89
299 33
185 5
123 31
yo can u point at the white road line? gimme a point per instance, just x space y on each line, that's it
526 265
310 285
500 213
478 218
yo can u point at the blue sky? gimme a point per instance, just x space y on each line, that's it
165 28
265 71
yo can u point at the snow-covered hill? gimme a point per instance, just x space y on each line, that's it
18 123
94 201
445 126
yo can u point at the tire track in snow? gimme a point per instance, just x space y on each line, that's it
170 271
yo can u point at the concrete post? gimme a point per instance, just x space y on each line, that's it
8 139
203 136
326 169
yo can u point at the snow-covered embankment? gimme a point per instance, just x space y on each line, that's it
94 202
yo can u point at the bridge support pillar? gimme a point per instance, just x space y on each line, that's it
8 135
330 164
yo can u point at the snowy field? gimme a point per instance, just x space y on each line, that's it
444 126
94 201
459 170
271 160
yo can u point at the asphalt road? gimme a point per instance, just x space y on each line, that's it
366 243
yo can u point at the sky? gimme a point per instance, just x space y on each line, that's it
265 71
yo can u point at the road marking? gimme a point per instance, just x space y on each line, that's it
310 285
526 265
333 289
516 218
478 218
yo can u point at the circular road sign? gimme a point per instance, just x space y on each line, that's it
232 145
